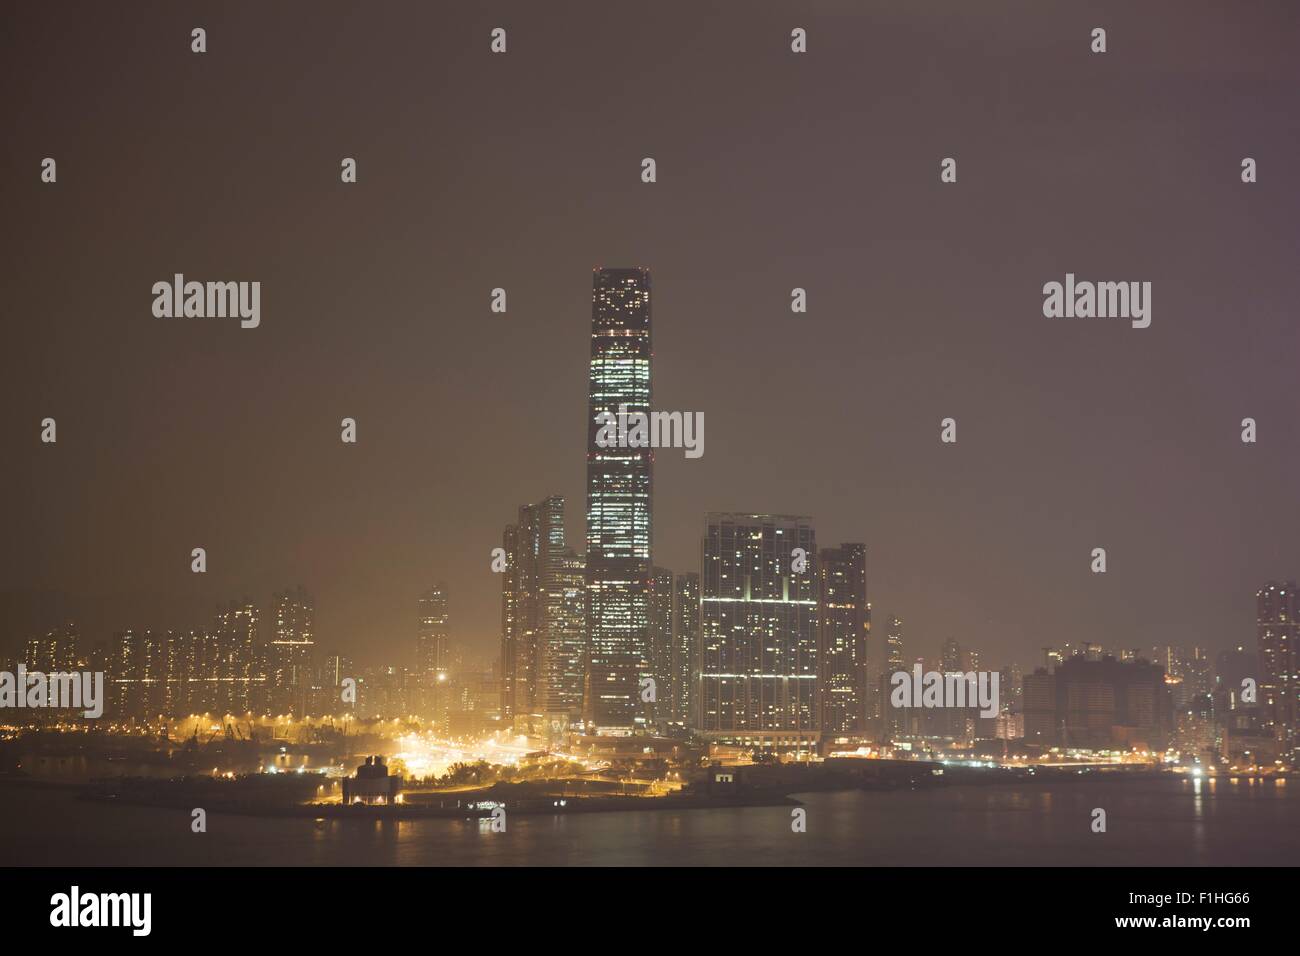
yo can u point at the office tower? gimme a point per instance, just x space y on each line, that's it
686 646
844 624
758 633
618 503
432 634
659 667
431 661
1277 623
289 655
525 542
510 623
892 720
543 599
564 636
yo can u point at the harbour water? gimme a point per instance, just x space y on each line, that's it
1151 822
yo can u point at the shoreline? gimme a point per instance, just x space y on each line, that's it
178 794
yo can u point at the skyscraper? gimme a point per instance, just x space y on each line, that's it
893 720
618 503
229 659
660 664
758 632
1277 631
290 652
564 635
431 636
542 601
844 625
432 633
528 542
139 673
686 649
510 624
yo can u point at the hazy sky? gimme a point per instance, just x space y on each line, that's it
775 170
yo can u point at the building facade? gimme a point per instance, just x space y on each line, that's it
290 654
432 637
844 628
543 618
1277 631
758 633
686 650
618 504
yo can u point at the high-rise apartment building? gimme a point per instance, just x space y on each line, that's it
659 667
844 623
686 648
542 608
758 632
290 651
1277 632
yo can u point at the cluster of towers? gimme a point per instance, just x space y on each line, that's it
766 644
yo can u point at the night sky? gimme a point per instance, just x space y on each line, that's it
775 170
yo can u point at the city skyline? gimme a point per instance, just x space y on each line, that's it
1070 436
361 521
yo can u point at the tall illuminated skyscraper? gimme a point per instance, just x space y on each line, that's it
618 504
229 660
686 649
290 652
1277 633
660 664
431 652
542 608
758 633
564 643
510 623
844 626
893 720
432 632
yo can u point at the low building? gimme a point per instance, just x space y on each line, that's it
372 784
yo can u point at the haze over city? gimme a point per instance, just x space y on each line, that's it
818 172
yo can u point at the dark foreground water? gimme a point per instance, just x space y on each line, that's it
1173 822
